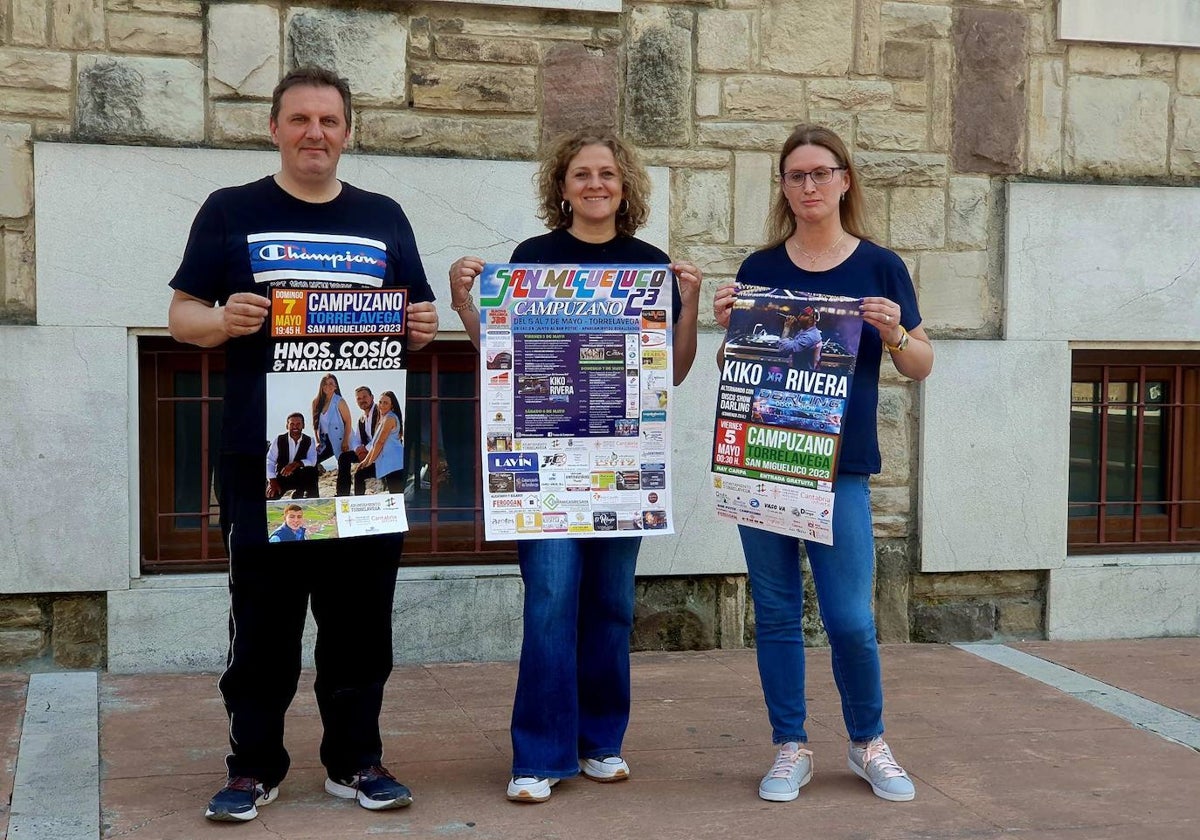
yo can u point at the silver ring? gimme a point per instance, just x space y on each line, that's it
887 319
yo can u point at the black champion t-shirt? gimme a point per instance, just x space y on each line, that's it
257 236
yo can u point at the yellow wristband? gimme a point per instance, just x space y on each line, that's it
899 346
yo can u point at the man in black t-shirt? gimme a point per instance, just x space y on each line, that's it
299 227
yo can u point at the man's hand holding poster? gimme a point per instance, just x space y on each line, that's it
575 400
785 380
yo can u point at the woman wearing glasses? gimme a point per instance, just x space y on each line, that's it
817 243
572 703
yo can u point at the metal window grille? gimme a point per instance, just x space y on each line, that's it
1135 452
180 408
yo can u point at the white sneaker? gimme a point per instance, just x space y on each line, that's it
874 762
530 788
792 770
610 768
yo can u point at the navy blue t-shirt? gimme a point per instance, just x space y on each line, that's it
559 247
871 271
253 237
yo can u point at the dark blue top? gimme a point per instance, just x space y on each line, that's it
871 271
285 534
238 244
559 247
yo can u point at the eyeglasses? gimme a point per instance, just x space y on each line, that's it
821 176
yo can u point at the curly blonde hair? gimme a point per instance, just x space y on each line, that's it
781 222
635 182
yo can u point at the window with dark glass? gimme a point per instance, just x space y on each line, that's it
1134 469
182 390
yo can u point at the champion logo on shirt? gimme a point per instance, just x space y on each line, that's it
317 256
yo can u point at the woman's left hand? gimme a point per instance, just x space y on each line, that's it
690 279
883 315
422 324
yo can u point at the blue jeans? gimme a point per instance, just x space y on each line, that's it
843 575
573 684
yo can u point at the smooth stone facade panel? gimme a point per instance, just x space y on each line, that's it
703 544
1154 596
56 380
1078 270
994 443
1171 22
163 628
456 207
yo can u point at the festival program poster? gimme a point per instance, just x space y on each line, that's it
357 337
785 381
575 400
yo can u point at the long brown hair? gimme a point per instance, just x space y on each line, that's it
781 222
635 182
320 403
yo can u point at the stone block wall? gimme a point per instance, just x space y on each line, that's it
941 102
62 631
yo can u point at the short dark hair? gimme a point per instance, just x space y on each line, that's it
296 414
363 388
312 76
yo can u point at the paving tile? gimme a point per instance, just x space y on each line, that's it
1096 791
12 711
993 755
1165 671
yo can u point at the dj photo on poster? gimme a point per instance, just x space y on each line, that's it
335 413
575 400
785 381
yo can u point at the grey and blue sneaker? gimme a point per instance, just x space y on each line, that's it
238 801
792 770
374 787
873 761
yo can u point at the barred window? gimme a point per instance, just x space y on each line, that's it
1135 433
182 391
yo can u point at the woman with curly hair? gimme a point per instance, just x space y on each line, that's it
572 703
